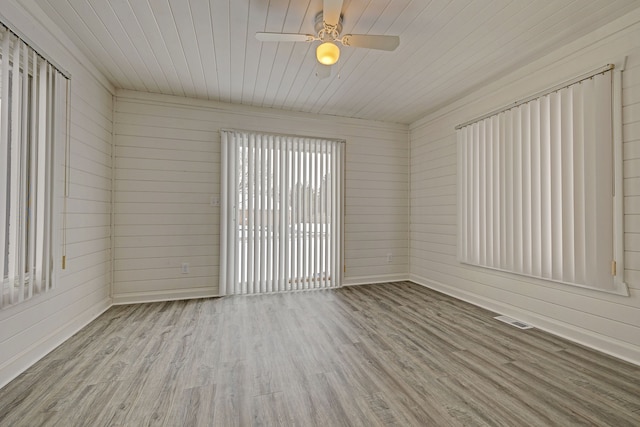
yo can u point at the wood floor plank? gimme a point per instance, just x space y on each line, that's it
374 355
543 410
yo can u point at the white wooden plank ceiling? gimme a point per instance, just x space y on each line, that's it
207 49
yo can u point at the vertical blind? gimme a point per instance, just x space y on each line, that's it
536 187
281 213
30 115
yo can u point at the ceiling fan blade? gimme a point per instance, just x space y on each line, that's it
331 10
371 41
323 71
284 37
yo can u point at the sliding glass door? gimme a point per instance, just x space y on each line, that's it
281 214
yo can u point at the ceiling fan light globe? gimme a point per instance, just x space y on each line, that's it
328 53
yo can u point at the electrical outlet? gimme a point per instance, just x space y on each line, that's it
185 268
389 258
215 201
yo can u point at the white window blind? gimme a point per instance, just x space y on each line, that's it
281 213
535 186
32 111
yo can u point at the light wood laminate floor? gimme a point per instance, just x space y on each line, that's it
392 354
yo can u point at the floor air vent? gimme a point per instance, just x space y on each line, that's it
513 322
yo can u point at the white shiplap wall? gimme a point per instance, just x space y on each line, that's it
31 329
167 171
608 322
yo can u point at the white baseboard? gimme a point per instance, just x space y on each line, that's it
10 369
369 280
174 295
604 344
155 296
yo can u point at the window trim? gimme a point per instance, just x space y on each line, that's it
618 179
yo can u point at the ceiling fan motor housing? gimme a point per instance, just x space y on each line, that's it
326 32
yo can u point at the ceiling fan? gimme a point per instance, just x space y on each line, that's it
328 26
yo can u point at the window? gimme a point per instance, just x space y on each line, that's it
30 117
281 214
536 187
